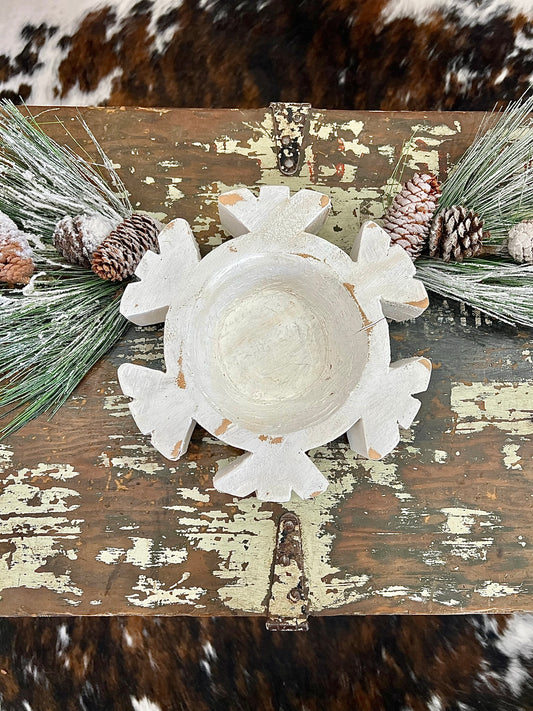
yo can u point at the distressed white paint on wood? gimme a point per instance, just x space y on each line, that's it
37 524
276 342
505 405
242 534
349 192
242 574
178 255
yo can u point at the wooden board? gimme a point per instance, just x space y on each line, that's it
94 521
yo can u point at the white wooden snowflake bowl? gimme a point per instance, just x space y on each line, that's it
275 342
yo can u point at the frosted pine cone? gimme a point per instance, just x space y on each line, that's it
76 238
409 217
520 243
120 253
16 255
456 234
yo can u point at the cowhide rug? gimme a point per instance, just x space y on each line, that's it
388 663
350 54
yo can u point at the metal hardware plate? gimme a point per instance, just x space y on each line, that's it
288 604
290 121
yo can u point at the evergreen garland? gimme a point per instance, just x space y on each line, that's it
494 178
57 327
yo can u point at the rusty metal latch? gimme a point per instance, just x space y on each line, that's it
290 121
288 604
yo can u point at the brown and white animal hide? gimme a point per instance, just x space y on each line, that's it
349 54
387 663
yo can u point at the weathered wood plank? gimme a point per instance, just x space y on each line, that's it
94 521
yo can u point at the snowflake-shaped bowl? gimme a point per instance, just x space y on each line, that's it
275 342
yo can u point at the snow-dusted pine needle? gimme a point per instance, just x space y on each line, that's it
41 181
53 333
50 339
394 183
494 176
502 290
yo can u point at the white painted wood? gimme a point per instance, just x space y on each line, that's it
241 212
401 296
159 407
146 302
276 342
388 402
272 472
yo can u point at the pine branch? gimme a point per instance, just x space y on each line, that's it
42 181
494 177
52 335
50 339
503 290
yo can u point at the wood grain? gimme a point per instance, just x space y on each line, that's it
94 521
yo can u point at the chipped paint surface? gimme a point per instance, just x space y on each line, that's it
512 458
35 528
93 520
242 540
243 543
329 586
152 594
340 177
459 520
132 457
143 554
505 405
490 589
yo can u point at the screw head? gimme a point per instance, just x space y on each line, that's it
294 595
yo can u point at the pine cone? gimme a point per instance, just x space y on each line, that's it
16 255
520 242
120 253
409 217
76 238
457 233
